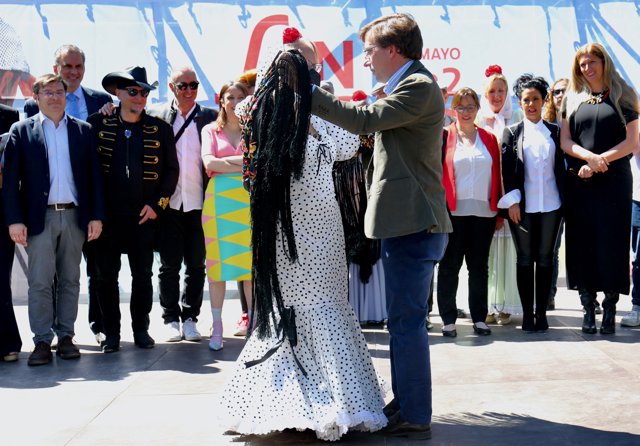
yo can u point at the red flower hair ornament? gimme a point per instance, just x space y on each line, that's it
290 35
359 95
493 69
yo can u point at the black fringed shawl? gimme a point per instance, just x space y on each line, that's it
349 183
275 137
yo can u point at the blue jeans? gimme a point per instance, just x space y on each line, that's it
635 248
408 263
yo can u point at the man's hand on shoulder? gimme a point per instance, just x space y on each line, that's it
107 109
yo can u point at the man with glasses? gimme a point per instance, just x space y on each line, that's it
140 171
406 208
81 101
180 234
53 202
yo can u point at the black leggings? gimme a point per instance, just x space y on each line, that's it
535 237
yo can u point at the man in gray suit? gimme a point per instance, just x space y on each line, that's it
80 103
406 207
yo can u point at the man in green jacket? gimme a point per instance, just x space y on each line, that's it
406 209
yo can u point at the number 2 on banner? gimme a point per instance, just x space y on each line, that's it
456 78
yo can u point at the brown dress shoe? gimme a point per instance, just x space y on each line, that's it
397 427
67 349
41 355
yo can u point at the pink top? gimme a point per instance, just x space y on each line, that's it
216 143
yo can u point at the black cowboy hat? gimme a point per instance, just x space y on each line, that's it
130 76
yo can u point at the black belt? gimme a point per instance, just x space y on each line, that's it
61 206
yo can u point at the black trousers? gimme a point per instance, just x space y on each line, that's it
95 314
535 237
9 335
471 241
124 234
181 238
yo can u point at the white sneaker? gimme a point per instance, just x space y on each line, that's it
173 332
631 319
190 331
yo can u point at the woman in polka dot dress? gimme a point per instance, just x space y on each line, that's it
326 382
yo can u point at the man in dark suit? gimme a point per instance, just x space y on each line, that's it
180 232
10 342
406 207
81 102
53 201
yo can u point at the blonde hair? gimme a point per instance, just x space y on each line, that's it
578 91
550 113
491 79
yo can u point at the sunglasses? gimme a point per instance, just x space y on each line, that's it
558 91
182 86
134 92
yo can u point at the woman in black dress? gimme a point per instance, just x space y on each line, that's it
599 131
532 174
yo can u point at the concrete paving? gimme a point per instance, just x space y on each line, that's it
510 388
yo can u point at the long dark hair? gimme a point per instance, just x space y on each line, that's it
276 137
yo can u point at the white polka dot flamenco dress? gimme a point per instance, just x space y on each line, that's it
341 390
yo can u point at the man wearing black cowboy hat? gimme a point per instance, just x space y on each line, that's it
140 171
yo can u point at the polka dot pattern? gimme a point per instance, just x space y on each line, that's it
341 390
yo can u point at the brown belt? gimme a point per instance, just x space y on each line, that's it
61 206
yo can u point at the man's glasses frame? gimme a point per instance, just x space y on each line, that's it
133 92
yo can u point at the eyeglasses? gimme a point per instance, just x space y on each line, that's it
52 94
558 91
467 109
182 86
133 92
369 50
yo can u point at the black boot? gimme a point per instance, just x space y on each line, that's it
524 277
589 308
543 288
609 313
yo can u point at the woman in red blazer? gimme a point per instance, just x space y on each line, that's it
471 178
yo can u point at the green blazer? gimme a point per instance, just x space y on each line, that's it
406 195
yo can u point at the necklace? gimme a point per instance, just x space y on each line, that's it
597 98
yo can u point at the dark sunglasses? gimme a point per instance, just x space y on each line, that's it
558 91
133 92
182 86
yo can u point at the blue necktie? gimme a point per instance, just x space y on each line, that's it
72 106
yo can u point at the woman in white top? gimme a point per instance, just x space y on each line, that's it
532 174
471 179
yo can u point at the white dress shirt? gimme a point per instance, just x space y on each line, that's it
62 187
538 150
472 171
189 190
